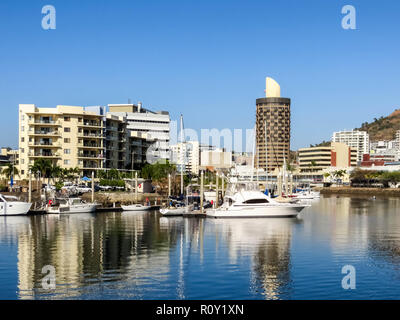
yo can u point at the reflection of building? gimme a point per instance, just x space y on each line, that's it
268 243
84 250
272 128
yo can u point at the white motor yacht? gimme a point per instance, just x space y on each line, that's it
72 205
245 200
136 207
10 206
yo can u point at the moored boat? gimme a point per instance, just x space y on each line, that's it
10 206
71 205
136 207
244 200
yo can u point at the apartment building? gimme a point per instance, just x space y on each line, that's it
315 159
125 149
358 140
69 136
146 124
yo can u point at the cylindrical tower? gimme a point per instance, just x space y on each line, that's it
272 129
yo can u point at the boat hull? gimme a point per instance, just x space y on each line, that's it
256 212
135 208
173 212
81 208
14 208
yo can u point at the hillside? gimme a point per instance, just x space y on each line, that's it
383 128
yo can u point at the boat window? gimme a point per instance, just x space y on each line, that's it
256 201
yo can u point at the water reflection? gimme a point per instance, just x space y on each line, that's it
145 256
267 242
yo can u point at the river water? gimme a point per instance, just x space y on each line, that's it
146 256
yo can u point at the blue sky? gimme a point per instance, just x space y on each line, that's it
205 59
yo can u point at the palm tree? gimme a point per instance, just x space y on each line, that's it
10 171
44 166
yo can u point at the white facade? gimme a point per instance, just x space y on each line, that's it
218 159
186 156
140 121
358 140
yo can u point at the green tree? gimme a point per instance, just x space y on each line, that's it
10 170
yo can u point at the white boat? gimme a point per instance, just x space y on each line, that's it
175 211
72 205
306 195
244 200
10 206
136 207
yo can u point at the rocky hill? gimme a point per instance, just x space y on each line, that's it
383 128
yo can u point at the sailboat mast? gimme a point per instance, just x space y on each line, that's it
182 155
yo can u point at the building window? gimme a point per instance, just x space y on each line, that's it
22 150
67 162
67 129
67 118
22 161
22 128
22 171
67 140
22 139
67 151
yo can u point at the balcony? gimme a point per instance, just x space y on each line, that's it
93 124
44 155
91 135
37 144
44 122
53 133
96 156
87 145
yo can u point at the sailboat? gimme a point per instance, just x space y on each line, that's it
179 210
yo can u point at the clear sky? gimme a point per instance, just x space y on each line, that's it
206 59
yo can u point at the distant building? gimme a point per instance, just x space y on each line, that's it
315 159
216 159
358 140
272 128
186 156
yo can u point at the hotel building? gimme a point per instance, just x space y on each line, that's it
69 136
272 128
358 140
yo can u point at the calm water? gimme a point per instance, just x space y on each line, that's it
145 256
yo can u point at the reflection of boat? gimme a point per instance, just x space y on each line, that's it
244 200
10 206
136 207
72 205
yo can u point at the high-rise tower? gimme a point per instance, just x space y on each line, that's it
272 128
